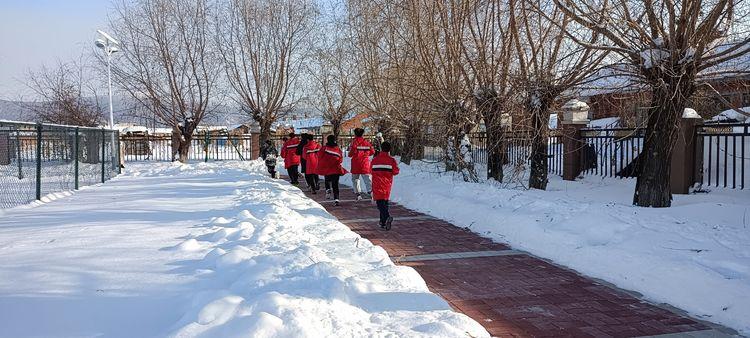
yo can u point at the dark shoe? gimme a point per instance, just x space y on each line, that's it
388 223
336 203
382 225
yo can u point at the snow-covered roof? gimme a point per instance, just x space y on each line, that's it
733 115
307 123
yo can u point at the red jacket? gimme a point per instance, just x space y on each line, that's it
289 152
310 153
360 152
384 167
329 161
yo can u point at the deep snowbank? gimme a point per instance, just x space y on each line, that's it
694 255
213 250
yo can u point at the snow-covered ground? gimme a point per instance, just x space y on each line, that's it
694 255
214 250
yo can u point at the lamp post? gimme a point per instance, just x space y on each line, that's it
109 45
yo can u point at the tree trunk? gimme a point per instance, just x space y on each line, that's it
184 148
487 102
265 133
538 175
652 188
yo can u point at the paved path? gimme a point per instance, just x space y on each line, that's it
511 293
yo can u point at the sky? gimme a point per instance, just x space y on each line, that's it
39 32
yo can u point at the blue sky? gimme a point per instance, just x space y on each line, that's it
36 32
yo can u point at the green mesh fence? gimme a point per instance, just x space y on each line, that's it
41 159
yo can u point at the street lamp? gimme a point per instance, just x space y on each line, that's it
109 46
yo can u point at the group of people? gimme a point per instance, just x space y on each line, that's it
302 155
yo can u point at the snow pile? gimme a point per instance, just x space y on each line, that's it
215 250
694 255
690 113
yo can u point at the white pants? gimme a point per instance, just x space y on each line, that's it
365 179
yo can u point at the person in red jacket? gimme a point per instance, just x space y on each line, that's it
360 151
384 167
330 158
291 159
310 154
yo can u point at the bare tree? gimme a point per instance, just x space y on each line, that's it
264 44
333 70
670 46
65 94
489 52
168 62
549 62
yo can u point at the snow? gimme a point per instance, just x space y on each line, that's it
607 122
733 115
205 249
694 255
690 113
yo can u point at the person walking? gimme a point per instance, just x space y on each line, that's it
360 151
300 152
377 142
384 167
291 159
269 153
329 164
310 154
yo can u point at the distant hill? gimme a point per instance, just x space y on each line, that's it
123 113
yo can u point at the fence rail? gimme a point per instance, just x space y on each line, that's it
39 159
203 147
725 151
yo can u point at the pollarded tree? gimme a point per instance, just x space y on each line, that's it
669 45
489 52
548 64
167 61
264 44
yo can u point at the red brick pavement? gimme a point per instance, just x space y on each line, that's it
511 296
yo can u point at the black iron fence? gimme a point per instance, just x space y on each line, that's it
725 151
611 152
205 146
40 159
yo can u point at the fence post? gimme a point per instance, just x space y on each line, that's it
205 145
104 140
120 158
684 155
574 118
75 158
38 161
254 145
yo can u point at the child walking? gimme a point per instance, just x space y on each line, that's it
384 167
268 153
291 159
310 154
360 152
329 164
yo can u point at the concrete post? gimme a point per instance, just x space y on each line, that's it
575 116
685 157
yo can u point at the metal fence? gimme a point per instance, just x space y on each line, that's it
211 146
725 150
39 159
611 152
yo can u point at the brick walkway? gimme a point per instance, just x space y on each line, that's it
511 293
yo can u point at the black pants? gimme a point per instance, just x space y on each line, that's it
294 174
303 166
313 181
332 182
383 208
272 171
